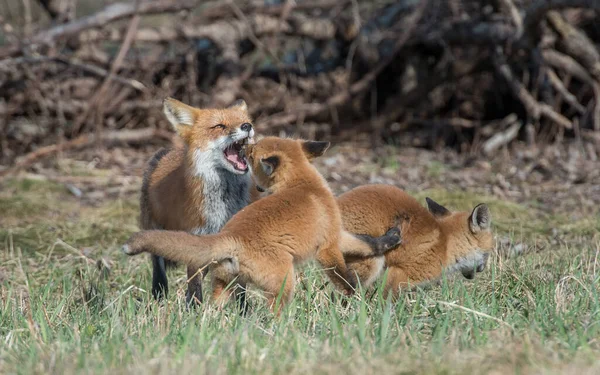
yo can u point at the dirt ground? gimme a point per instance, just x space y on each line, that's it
555 179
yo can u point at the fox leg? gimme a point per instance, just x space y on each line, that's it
396 280
331 259
282 284
160 284
363 245
367 270
222 277
275 276
194 289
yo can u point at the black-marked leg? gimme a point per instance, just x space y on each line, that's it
382 244
160 285
240 296
193 295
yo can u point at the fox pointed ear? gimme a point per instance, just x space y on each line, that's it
436 209
314 149
480 219
269 164
179 114
241 104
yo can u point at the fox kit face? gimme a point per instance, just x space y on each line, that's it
274 160
469 237
214 136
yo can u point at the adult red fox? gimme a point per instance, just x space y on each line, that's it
199 186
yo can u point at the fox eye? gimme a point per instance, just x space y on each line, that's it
219 126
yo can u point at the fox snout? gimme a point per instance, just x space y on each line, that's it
469 272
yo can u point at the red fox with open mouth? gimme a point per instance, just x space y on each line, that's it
298 221
198 187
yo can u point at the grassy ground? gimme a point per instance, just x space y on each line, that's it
72 303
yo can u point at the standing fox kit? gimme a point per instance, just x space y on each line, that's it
197 187
298 221
434 240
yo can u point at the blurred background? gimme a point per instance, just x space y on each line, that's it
473 76
412 88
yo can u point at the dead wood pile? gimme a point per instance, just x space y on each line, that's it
470 74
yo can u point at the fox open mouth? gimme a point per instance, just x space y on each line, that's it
234 155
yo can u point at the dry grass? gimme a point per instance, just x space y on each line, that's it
72 303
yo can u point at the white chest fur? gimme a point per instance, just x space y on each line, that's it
224 194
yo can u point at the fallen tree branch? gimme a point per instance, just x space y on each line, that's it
125 136
363 84
502 138
567 63
58 10
558 85
98 99
576 44
538 9
109 14
571 66
534 108
93 69
524 32
515 15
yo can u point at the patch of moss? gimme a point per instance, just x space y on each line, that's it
28 197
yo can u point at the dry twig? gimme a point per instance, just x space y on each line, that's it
124 136
534 108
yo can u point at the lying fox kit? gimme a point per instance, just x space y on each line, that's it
197 187
433 241
298 221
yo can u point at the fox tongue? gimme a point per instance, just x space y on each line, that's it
234 158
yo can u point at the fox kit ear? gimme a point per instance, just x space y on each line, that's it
313 149
241 104
436 209
480 219
269 164
179 114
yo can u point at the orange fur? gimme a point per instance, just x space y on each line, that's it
431 241
298 221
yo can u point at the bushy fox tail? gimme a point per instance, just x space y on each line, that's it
182 247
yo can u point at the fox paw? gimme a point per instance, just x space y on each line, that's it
391 239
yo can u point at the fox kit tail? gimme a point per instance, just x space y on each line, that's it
182 247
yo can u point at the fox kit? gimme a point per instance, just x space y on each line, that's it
298 221
197 187
433 240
